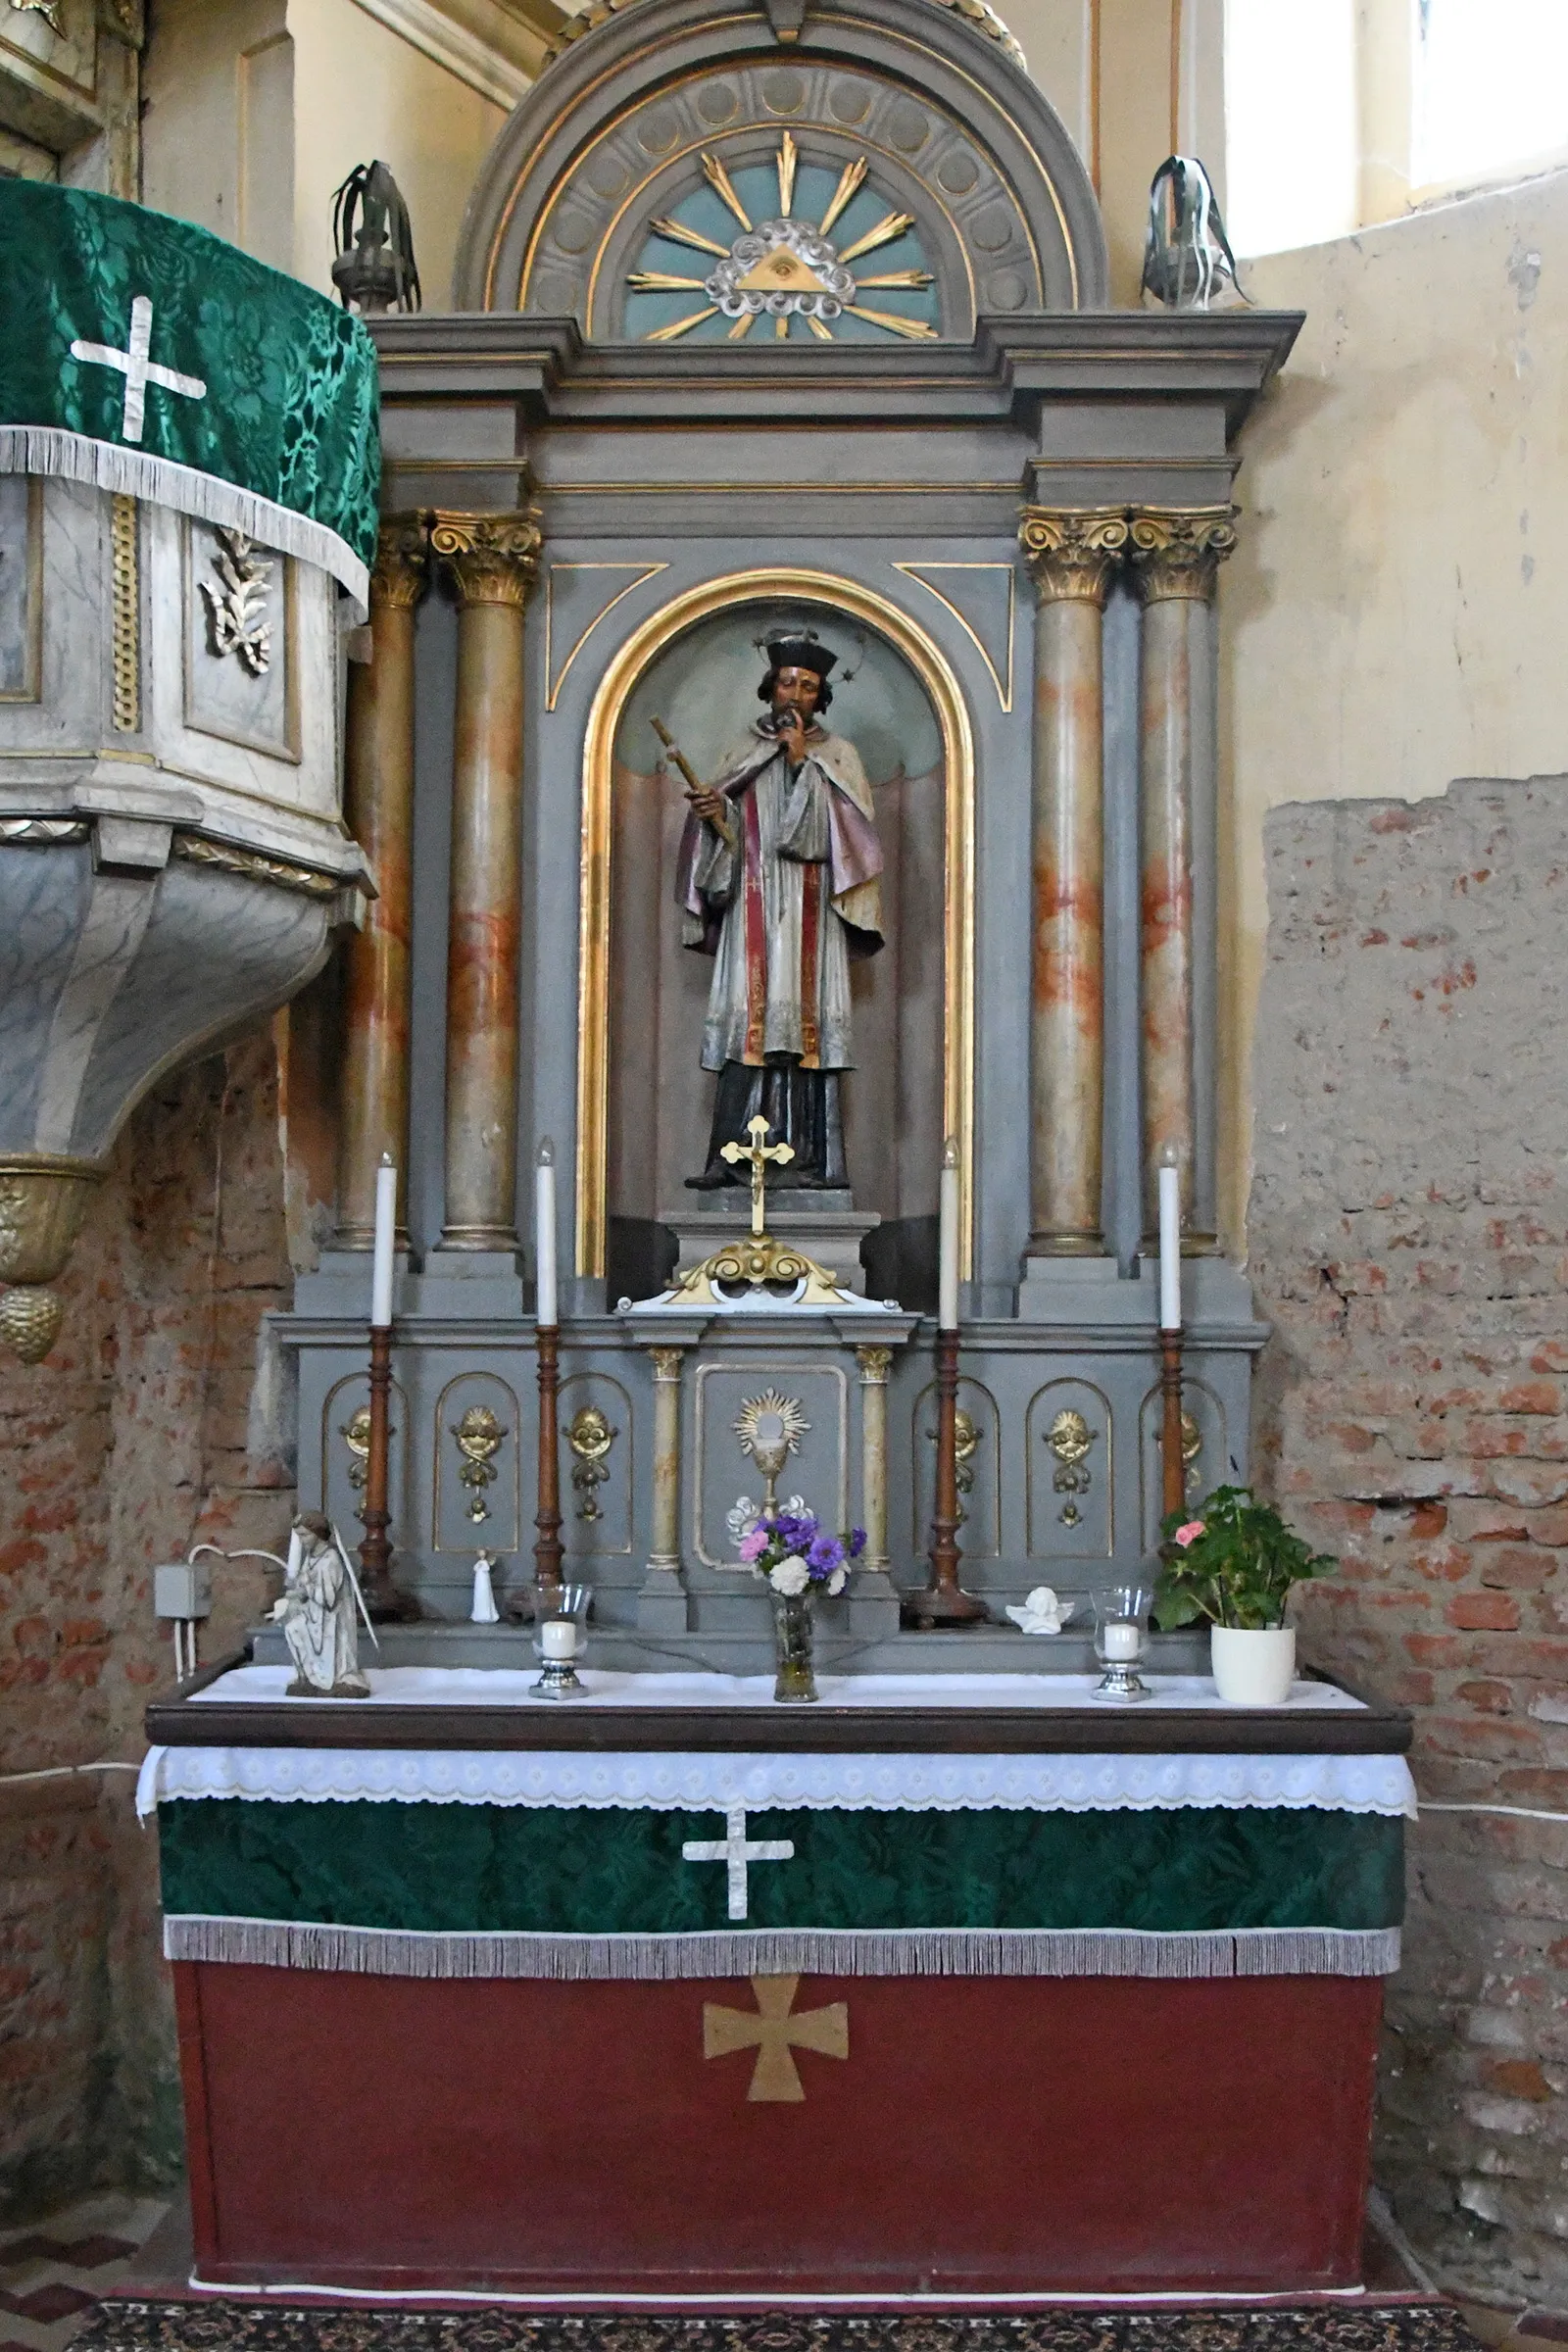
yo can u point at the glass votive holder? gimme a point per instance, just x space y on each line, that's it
1121 1641
570 1606
559 1644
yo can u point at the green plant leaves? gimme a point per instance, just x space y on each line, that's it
1239 1571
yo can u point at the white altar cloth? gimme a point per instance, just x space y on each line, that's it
686 1781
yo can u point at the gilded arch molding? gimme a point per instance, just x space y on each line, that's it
596 914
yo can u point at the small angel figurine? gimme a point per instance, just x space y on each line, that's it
1041 1612
484 1610
317 1613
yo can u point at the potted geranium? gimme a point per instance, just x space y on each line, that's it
1235 1566
796 1558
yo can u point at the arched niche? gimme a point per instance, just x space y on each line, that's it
703 685
950 126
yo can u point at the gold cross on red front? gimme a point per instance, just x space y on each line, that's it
770 2030
758 1152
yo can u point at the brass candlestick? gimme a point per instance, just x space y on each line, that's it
1173 1466
944 1601
548 1552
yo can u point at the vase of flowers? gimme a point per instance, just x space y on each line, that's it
1235 1566
798 1558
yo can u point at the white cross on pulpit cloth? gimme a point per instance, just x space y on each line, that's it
138 370
737 1850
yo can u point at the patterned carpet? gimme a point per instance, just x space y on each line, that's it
52 2275
243 2327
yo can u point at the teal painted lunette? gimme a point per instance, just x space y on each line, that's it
475 1869
292 409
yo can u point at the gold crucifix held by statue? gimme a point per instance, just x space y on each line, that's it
758 1152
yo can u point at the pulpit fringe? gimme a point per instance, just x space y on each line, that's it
44 449
787 1951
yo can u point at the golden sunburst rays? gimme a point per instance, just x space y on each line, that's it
891 225
786 164
849 183
718 179
789 155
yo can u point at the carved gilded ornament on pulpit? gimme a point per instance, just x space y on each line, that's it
784 269
481 1437
590 1438
236 609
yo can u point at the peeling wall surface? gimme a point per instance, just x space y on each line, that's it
137 1436
1393 616
1409 1241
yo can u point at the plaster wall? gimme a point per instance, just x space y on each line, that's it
1392 619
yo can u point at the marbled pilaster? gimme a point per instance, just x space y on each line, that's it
662 1606
1071 555
379 764
492 561
1176 557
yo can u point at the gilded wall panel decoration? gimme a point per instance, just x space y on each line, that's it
475 1491
240 635
345 1449
596 1419
734 1438
1206 1450
1069 1467
979 1471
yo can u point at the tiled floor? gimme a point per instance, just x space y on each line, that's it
52 2274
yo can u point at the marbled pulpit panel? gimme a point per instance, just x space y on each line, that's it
20 590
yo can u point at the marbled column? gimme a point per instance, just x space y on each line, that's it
874 1364
1071 556
379 811
1176 557
661 1604
492 561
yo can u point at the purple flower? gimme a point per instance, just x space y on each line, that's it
797 1531
825 1556
857 1542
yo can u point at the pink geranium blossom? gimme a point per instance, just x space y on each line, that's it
1189 1534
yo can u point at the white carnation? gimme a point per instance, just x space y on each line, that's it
791 1577
837 1582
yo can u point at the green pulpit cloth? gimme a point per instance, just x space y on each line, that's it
146 357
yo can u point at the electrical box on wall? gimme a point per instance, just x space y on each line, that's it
183 1588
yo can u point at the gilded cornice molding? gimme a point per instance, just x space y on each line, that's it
491 558
399 574
1177 551
1072 553
977 13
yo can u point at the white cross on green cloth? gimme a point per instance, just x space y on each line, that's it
138 369
736 1850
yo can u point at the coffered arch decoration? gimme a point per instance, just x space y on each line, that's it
678 174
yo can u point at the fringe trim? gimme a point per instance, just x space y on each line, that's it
786 1951
135 473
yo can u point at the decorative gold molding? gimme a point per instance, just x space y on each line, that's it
1073 552
257 866
589 1435
1177 551
874 1364
490 559
917 572
399 574
553 681
795 586
44 1199
126 614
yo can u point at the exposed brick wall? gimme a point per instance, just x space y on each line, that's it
139 1434
1408 1237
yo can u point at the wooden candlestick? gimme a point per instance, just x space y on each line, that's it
384 1602
548 1552
1173 1467
944 1601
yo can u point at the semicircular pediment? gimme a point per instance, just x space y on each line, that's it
889 176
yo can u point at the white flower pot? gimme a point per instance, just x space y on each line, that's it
1254 1669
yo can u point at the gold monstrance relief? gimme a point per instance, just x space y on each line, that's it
784 268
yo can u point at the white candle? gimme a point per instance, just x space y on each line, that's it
544 1237
557 1638
386 1218
948 1306
1120 1642
1170 1246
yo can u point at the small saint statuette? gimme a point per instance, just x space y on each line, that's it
317 1613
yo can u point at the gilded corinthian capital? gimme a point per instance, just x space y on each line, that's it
1073 552
398 576
1177 551
490 559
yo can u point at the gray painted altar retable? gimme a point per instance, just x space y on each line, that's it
869 481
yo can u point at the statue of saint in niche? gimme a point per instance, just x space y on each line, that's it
779 881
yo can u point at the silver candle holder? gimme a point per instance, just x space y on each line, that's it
1121 1643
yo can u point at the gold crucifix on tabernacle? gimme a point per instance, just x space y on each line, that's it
758 1152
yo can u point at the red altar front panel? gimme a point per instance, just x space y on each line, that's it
980 2134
